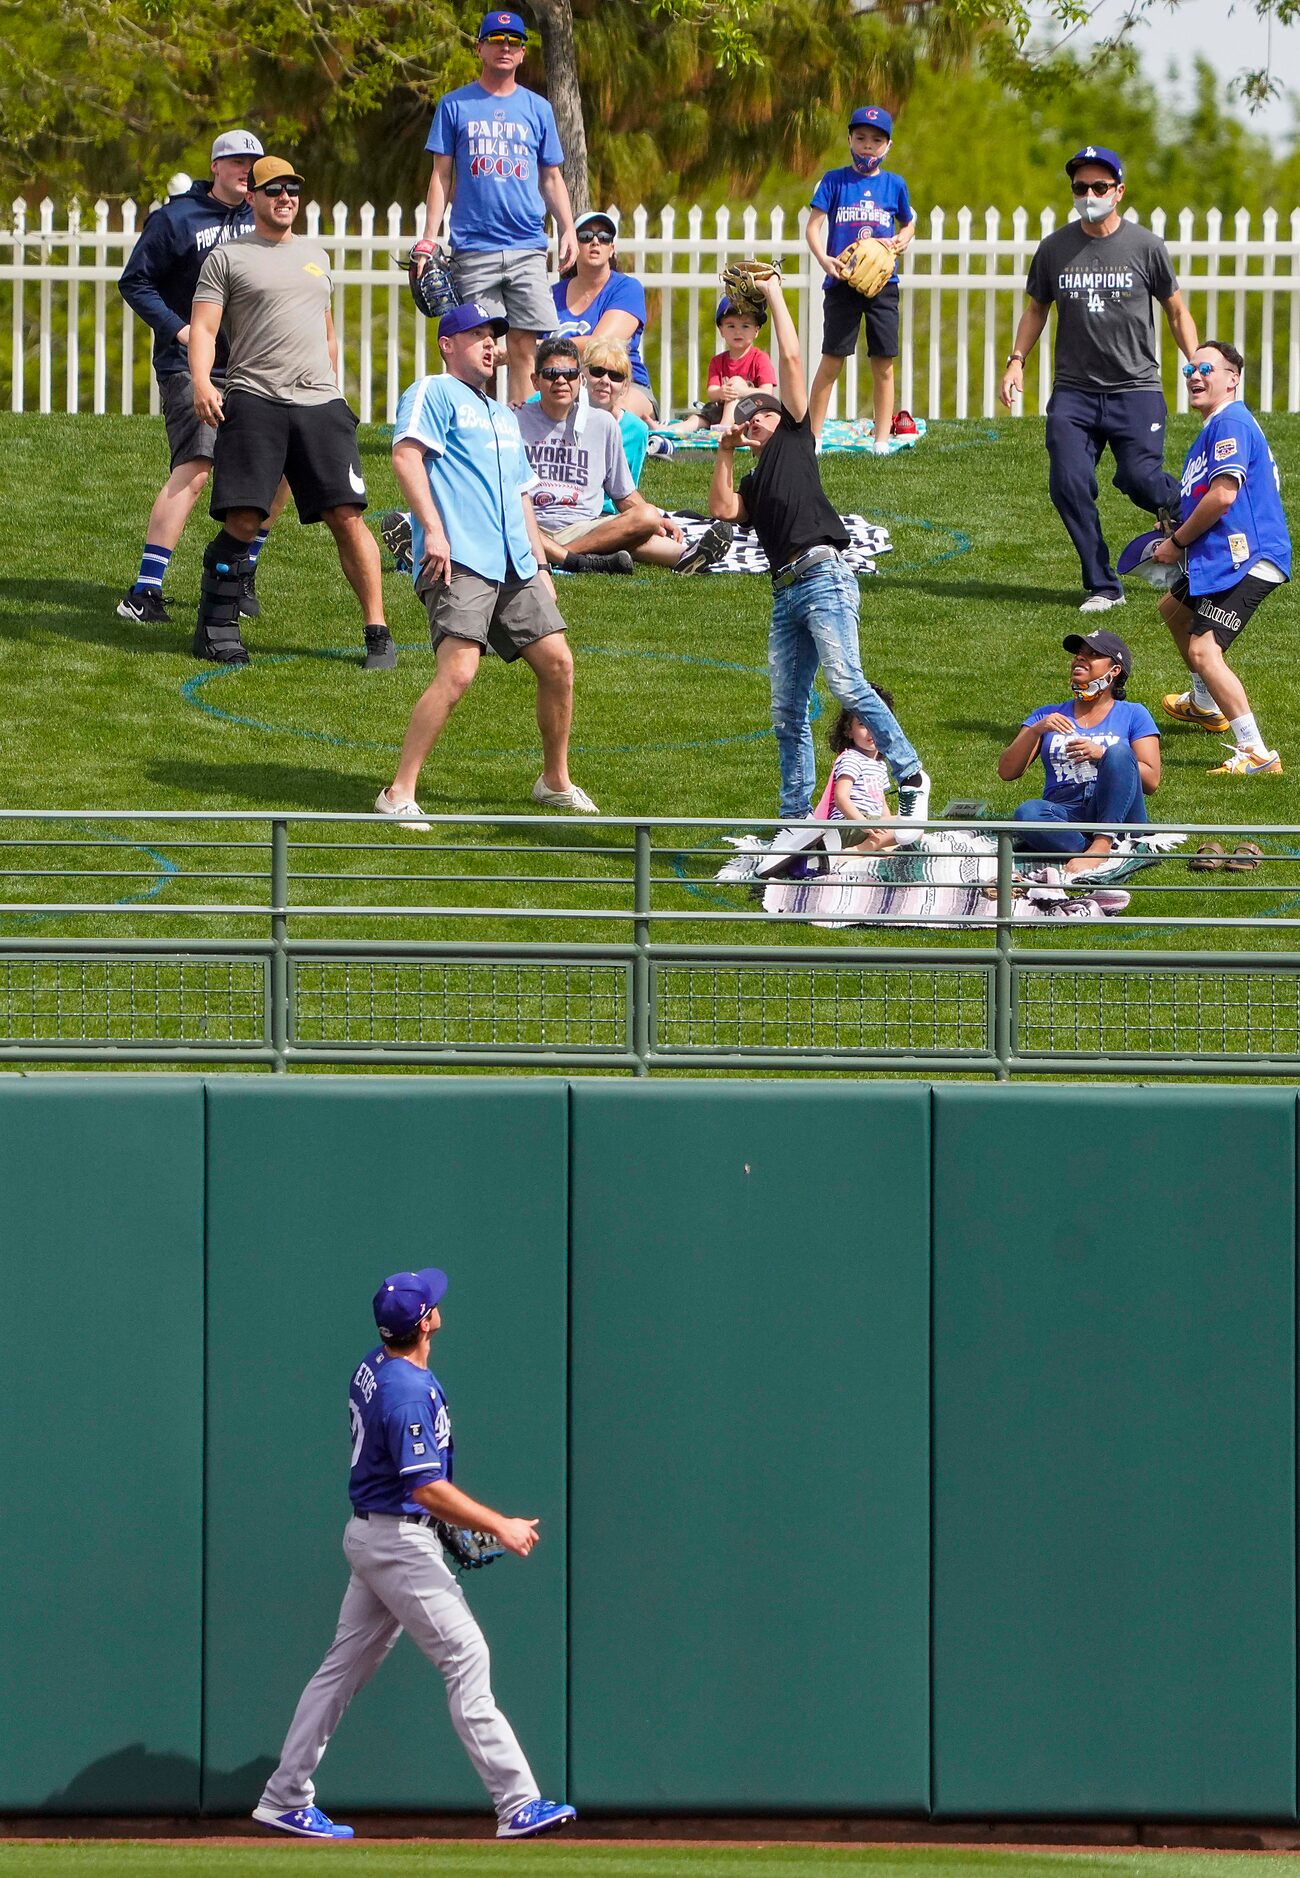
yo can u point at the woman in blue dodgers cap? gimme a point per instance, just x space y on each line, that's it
403 1500
1100 753
1103 274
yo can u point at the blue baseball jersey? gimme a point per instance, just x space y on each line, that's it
857 205
478 472
1071 780
1254 528
401 1434
499 147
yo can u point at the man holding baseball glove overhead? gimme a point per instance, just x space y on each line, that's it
815 597
861 222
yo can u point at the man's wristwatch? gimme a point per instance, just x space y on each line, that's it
1014 356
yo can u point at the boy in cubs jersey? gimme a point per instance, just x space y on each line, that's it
1233 538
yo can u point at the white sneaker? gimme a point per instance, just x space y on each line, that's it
913 806
571 798
408 813
1102 602
880 449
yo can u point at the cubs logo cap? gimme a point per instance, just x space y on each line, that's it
1105 645
236 143
756 401
502 23
1096 153
459 319
270 170
402 1300
872 117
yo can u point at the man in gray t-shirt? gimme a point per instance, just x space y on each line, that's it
576 453
1103 275
280 413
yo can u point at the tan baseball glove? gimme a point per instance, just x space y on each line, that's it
740 283
867 265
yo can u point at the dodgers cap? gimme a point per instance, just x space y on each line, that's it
270 170
502 23
1105 645
460 319
236 143
872 117
608 216
1096 153
756 401
402 1300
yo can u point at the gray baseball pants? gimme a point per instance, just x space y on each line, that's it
400 1581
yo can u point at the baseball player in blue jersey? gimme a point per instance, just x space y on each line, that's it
401 1487
860 199
1233 542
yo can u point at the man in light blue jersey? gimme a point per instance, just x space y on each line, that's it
1235 548
479 563
401 1488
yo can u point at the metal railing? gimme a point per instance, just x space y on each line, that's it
299 940
75 345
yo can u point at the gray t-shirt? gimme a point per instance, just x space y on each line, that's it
1103 286
276 295
578 460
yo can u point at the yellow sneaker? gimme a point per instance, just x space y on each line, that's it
1250 763
1184 707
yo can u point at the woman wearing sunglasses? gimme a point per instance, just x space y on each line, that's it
607 376
594 301
1103 274
1234 547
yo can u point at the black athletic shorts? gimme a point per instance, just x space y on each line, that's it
844 307
1225 613
313 445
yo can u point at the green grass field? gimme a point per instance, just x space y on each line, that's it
963 623
548 1859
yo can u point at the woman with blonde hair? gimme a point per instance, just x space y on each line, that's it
607 374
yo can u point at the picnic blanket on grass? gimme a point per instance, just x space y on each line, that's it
867 540
854 434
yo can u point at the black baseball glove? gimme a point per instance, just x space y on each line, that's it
467 1548
432 287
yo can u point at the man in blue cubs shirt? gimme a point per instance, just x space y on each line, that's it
860 199
400 1488
496 159
1100 753
1233 541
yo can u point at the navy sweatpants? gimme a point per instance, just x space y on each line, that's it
1080 424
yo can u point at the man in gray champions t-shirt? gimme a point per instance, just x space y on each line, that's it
576 453
1103 275
280 412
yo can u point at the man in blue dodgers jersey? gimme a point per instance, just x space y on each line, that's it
158 283
496 159
400 1485
1232 536
479 563
1102 273
860 199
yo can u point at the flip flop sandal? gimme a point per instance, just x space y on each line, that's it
1208 859
1245 858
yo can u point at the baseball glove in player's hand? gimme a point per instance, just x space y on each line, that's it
867 265
468 1548
740 280
432 287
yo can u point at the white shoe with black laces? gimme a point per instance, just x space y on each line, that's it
913 806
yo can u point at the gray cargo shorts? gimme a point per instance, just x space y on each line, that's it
505 616
188 440
509 282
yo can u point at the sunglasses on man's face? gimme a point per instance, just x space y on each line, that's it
1091 189
512 40
554 372
1202 366
293 190
606 371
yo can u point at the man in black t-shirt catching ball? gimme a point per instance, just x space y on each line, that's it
815 595
1102 274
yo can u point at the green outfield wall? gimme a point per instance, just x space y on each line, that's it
899 1450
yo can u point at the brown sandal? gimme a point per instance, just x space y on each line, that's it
1208 859
1245 858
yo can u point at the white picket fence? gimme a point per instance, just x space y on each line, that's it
962 296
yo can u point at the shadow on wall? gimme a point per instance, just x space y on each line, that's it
136 1780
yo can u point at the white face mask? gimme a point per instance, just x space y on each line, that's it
1097 208
1092 688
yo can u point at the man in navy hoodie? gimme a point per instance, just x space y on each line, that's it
158 283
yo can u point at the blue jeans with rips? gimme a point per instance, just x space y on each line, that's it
815 622
1116 797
